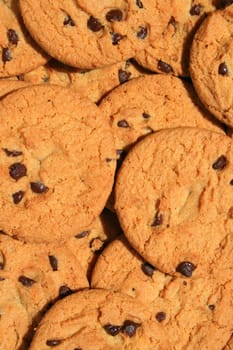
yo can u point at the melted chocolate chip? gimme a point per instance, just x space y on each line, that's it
38 187
53 262
211 307
17 170
195 10
123 76
223 69
186 268
231 182
6 55
146 115
139 4
53 342
114 15
69 21
123 124
148 269
158 219
26 281
142 33
12 36
220 163
164 67
116 37
64 291
82 234
12 153
94 24
112 330
18 196
160 316
130 327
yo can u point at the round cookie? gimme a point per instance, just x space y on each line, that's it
211 63
89 34
229 345
7 86
174 200
18 53
192 312
57 161
32 276
168 51
106 319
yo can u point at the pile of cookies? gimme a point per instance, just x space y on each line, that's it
116 218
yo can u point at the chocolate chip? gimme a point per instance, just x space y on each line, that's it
2 260
69 21
211 307
142 33
130 327
164 67
231 182
160 316
114 15
38 187
123 124
158 219
122 152
82 234
77 349
186 268
53 342
17 170
116 37
195 10
220 163
112 330
139 4
12 36
26 281
1 265
53 262
6 54
123 76
148 269
64 291
18 196
12 153
172 21
94 24
146 115
2 279
222 69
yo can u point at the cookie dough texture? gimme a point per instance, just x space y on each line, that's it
57 162
211 64
32 276
88 34
87 318
18 52
173 198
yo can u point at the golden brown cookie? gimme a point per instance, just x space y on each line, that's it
7 86
32 276
57 162
229 345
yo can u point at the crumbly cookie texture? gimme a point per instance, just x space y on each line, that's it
57 152
211 64
32 276
174 200
18 52
207 299
89 34
106 319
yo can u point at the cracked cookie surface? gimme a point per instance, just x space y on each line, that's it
57 160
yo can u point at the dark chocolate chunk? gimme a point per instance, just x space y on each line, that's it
114 15
94 24
112 330
82 234
211 307
142 32
53 262
12 153
69 21
123 124
223 69
53 342
148 269
195 10
17 170
186 268
220 163
146 115
158 219
130 327
164 67
139 4
116 37
123 76
6 55
12 36
160 316
38 187
18 196
64 291
26 281
1 265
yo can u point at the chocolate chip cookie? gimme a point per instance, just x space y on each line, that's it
7 86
